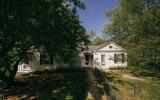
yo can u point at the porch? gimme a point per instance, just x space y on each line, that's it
88 59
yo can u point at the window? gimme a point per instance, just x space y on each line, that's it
51 59
115 58
118 58
25 66
103 59
122 58
46 59
110 46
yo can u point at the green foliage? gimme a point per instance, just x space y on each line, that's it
30 24
136 26
118 68
99 40
92 36
7 73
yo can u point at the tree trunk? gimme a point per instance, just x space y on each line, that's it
12 73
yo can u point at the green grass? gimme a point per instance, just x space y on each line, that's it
118 68
129 89
61 84
146 71
2 84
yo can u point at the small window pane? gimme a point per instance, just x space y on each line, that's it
110 46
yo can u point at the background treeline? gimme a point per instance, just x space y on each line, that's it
135 25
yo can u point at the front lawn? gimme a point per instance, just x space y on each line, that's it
143 83
61 84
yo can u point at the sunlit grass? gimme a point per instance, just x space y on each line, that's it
132 89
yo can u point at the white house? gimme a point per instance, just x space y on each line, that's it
104 56
40 62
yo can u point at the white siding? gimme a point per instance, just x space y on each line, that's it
34 64
109 56
109 59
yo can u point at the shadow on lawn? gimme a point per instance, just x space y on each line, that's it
146 71
61 84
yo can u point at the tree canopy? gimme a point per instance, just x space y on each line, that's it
92 36
99 40
135 24
28 24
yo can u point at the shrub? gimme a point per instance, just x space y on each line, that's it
118 68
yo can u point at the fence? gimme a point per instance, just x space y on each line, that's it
108 91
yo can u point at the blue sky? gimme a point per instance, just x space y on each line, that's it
93 17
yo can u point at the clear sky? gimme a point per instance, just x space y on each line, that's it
93 17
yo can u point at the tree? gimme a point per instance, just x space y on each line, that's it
99 41
92 35
135 24
28 24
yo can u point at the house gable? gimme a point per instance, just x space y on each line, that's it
111 47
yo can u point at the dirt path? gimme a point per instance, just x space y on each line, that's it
130 76
126 75
95 91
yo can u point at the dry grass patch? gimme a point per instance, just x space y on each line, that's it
133 88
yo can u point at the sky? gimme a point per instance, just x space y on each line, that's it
94 16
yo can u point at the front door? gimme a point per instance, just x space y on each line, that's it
88 59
